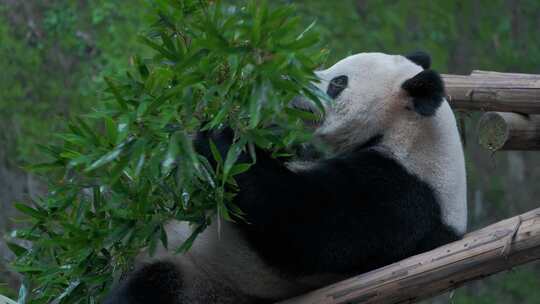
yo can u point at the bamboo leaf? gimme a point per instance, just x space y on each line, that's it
163 237
110 156
117 95
215 153
232 156
30 211
255 105
239 169
67 292
16 249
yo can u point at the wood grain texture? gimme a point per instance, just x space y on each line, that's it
494 91
498 247
509 131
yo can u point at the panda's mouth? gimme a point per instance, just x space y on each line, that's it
313 122
314 119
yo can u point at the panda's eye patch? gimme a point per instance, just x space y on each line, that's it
337 85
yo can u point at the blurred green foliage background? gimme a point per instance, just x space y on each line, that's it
53 54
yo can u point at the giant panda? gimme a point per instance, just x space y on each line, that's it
391 186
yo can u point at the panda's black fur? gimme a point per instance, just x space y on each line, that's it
354 212
159 282
421 58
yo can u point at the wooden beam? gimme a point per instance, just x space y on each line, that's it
499 247
494 91
4 300
509 131
480 73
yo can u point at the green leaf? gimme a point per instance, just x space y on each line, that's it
305 115
30 211
187 148
173 153
16 249
163 237
67 292
119 233
81 209
215 153
112 130
119 169
186 245
158 81
260 11
117 95
223 212
239 169
141 67
110 156
88 131
167 42
96 198
153 241
232 156
161 50
255 105
45 166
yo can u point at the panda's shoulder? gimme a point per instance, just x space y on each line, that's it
372 173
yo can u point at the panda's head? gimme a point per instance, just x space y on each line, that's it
395 105
375 95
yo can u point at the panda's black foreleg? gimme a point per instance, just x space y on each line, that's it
259 185
157 283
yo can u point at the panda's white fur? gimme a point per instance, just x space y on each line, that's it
225 257
225 264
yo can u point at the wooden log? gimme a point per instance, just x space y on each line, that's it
509 131
480 73
4 300
499 247
494 91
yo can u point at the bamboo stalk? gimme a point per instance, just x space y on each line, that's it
509 131
498 247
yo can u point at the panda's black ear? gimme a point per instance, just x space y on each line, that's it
426 90
421 58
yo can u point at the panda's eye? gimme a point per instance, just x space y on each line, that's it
337 85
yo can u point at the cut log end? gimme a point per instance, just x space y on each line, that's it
509 131
493 131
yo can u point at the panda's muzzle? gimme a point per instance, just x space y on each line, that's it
302 104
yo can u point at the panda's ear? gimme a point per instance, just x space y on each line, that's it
421 58
426 90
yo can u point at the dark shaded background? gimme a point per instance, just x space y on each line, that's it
53 55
